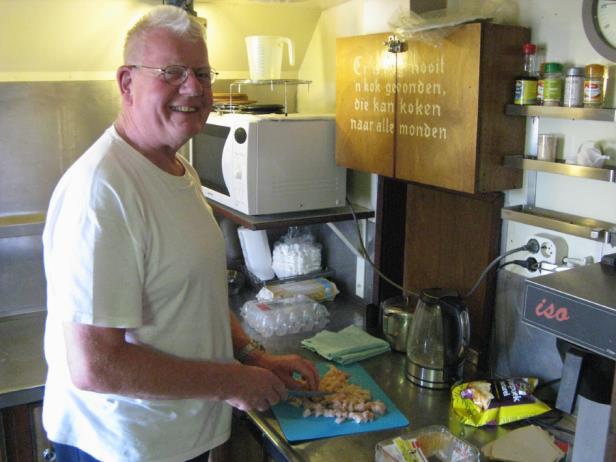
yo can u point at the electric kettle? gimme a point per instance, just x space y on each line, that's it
438 340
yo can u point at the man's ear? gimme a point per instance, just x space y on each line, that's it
124 78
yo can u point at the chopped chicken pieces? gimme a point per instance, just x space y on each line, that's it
347 402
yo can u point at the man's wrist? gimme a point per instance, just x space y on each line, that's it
247 350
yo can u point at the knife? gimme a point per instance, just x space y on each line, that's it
307 394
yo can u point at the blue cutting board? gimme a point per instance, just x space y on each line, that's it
298 428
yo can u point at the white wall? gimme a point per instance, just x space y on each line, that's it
51 40
79 39
556 25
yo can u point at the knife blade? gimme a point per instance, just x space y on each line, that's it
306 393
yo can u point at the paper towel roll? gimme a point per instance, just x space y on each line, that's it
256 251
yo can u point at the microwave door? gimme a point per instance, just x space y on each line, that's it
226 165
208 149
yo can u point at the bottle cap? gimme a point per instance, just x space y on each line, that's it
529 48
576 71
552 68
594 70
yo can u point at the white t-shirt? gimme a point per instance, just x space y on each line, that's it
128 245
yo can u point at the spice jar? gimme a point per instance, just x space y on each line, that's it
540 83
552 84
593 85
573 95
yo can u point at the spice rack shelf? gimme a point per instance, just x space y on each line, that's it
529 214
562 222
560 168
560 112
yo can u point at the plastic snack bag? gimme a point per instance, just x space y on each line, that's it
319 289
496 402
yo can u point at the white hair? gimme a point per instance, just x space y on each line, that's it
169 17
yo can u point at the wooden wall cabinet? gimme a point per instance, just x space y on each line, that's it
432 115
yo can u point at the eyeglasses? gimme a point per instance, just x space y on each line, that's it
177 75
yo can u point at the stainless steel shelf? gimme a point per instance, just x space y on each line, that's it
588 228
560 168
560 112
28 224
284 220
271 82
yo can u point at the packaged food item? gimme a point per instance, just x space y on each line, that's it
319 289
574 88
285 316
435 443
526 83
496 402
593 85
552 84
296 253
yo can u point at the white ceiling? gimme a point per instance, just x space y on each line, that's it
321 4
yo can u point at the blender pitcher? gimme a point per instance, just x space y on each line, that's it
265 56
438 340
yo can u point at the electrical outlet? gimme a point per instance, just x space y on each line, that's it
552 249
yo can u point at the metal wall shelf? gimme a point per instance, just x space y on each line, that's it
284 220
588 228
28 224
271 82
557 221
560 112
560 168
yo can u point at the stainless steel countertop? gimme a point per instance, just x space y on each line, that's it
422 407
23 370
22 366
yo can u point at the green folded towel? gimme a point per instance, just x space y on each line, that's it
347 346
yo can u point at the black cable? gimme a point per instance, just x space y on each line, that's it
547 384
531 246
490 266
364 253
531 264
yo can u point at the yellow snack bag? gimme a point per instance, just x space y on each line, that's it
496 402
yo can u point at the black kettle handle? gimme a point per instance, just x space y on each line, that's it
454 316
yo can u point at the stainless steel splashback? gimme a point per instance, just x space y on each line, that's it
44 127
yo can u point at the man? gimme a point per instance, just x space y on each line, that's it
139 339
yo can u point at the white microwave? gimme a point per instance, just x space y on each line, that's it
269 163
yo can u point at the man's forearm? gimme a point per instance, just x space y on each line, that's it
101 361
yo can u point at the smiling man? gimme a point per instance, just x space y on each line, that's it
139 341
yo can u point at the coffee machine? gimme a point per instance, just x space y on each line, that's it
578 306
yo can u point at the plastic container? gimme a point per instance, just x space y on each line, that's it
295 254
547 146
573 95
285 316
593 85
552 84
436 442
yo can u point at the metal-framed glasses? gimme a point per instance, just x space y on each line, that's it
177 75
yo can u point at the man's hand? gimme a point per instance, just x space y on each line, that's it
285 366
256 388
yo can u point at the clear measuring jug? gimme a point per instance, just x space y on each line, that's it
265 55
